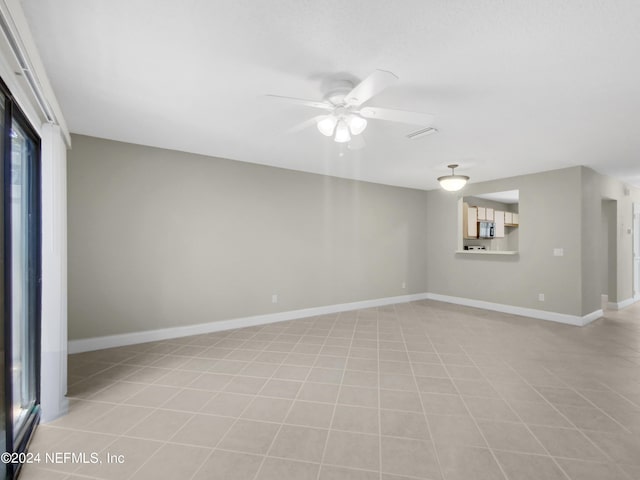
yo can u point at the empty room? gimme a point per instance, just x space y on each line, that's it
328 240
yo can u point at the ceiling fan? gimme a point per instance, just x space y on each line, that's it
346 117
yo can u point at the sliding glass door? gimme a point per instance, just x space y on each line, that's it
21 289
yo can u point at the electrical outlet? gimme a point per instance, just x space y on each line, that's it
541 297
404 284
558 252
274 298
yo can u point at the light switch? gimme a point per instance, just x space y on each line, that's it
558 252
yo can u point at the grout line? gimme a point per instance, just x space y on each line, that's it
335 405
473 418
418 392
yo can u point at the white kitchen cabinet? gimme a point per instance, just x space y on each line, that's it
482 214
498 218
469 221
516 219
489 214
508 218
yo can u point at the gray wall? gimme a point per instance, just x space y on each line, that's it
160 238
549 217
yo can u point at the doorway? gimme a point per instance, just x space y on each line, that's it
636 251
21 279
609 253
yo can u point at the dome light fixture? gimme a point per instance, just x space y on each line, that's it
453 182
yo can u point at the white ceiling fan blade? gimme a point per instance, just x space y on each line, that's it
304 125
357 143
402 116
302 101
370 86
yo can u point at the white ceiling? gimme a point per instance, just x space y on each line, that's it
509 196
517 86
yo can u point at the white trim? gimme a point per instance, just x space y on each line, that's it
525 312
110 341
98 343
623 303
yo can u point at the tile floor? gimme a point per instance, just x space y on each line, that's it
424 390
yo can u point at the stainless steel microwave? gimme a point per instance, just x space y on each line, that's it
486 229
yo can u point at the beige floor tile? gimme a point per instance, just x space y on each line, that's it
359 378
177 378
360 396
256 369
510 436
329 472
391 381
245 385
490 409
213 382
147 375
229 466
299 443
353 450
364 364
465 463
403 424
563 396
589 418
231 367
119 420
35 472
281 469
399 400
189 400
438 404
310 414
478 388
414 458
356 419
121 459
436 385
118 392
172 461
152 396
267 409
250 436
455 430
568 443
81 413
430 370
203 430
319 392
227 404
518 392
292 372
325 375
620 447
159 425
579 470
535 413
519 466
281 388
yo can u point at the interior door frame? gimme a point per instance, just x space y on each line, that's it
635 252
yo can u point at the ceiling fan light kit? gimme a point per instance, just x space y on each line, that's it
342 132
453 182
347 116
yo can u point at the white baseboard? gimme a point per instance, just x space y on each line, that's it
110 341
623 303
525 312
